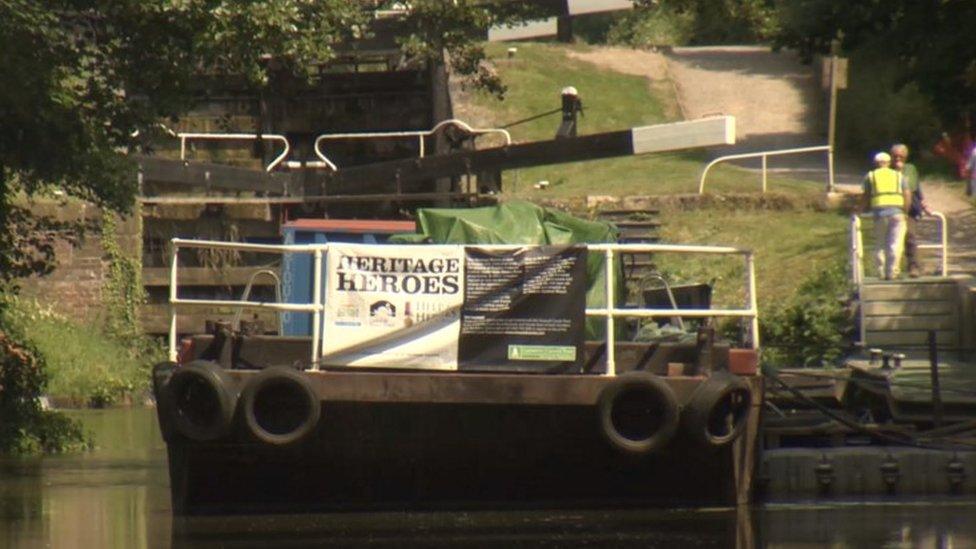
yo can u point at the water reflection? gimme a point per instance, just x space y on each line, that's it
118 496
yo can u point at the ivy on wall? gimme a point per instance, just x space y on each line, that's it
122 289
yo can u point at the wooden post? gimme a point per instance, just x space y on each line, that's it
832 121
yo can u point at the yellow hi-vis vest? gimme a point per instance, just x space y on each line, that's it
886 189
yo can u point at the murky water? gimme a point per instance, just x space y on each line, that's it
117 496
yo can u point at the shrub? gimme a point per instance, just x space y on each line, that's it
879 109
654 27
814 327
83 364
24 427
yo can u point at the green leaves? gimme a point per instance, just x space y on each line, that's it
813 328
930 40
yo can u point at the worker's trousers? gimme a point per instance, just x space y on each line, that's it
889 242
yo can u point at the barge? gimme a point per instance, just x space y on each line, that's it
513 392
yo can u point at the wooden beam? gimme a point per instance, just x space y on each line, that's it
381 197
210 176
705 132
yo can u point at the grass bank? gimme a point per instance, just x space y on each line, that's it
84 366
612 100
790 246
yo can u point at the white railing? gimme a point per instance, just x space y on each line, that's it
750 309
610 312
316 307
857 245
764 155
184 137
420 135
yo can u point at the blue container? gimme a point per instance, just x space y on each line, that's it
296 268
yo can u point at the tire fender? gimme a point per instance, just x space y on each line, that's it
161 374
638 413
201 400
718 411
279 406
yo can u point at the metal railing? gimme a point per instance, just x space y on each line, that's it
420 135
184 137
857 245
316 307
750 309
765 155
610 312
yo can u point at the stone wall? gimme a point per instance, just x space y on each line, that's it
74 288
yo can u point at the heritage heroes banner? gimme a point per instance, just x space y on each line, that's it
393 306
524 309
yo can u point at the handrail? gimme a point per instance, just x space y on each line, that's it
764 155
857 246
667 289
419 134
610 312
246 294
185 136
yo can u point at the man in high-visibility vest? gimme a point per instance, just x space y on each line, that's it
887 195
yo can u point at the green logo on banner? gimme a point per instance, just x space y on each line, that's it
542 352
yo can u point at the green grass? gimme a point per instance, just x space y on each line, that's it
789 247
611 101
82 364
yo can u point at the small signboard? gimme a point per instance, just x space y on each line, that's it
840 75
524 309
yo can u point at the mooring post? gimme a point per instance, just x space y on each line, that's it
936 389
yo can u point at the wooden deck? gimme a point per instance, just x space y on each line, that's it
899 314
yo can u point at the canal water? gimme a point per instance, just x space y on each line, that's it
117 496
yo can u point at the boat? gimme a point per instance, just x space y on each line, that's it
456 376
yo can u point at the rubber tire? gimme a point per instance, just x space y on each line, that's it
225 390
279 374
697 414
640 381
160 377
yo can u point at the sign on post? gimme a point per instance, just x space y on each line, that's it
840 74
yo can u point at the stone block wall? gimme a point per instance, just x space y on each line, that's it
74 287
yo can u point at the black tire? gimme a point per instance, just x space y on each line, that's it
718 410
638 413
201 399
279 406
160 378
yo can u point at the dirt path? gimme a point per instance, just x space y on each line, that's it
776 100
773 97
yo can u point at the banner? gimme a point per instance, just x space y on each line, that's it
393 306
524 309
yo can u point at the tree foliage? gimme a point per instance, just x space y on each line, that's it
436 26
930 39
84 82
683 22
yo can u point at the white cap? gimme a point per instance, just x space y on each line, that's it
882 157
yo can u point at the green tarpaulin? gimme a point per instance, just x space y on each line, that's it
521 222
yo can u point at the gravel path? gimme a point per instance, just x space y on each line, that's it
776 100
773 97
